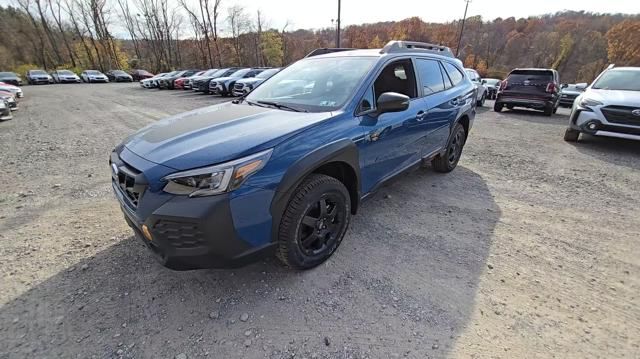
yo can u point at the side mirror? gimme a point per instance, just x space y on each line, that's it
564 86
484 82
392 102
582 86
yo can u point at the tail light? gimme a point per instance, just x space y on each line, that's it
551 87
503 85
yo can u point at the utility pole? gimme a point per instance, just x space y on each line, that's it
464 18
338 29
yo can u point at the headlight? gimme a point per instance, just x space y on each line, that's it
587 102
216 179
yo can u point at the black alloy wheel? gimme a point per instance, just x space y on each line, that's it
314 222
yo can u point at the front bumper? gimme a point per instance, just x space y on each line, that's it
69 81
222 231
218 89
5 114
591 121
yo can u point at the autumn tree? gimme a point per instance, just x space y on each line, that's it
624 43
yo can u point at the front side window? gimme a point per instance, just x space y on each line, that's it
454 73
396 77
430 76
368 102
315 84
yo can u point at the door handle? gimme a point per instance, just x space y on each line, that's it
421 115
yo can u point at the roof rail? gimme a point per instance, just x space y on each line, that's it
327 50
407 46
611 66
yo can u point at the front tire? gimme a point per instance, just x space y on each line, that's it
497 107
449 161
314 222
480 102
571 135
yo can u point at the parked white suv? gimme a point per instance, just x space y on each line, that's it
609 107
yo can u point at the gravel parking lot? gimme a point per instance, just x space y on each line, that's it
530 248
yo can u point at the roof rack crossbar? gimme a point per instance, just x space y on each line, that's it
407 46
327 50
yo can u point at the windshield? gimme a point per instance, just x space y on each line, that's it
267 73
38 72
93 72
210 72
7 74
315 84
492 82
219 72
65 72
623 80
119 72
240 73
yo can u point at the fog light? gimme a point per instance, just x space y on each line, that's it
592 126
146 233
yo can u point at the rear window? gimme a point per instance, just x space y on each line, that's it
530 75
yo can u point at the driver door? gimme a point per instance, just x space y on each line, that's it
391 140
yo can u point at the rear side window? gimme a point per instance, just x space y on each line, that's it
430 76
454 73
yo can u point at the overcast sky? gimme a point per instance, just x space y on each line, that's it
314 14
318 13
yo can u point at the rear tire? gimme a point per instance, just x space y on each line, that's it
314 222
548 110
571 135
497 107
449 161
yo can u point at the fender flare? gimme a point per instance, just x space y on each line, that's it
343 150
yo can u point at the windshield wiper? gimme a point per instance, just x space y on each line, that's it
281 106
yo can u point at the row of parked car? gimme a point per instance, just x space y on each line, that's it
9 97
41 77
229 81
609 106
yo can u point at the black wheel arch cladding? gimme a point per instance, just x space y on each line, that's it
343 151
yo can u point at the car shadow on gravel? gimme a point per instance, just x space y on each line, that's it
404 282
617 151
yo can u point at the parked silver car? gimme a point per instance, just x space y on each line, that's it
481 94
609 107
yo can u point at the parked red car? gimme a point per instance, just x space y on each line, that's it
140 74
179 82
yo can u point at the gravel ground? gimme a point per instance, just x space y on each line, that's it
528 249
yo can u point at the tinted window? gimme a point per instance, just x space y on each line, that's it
473 76
397 77
530 75
368 101
430 76
454 73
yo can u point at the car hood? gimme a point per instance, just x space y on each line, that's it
614 97
216 134
569 92
9 78
249 81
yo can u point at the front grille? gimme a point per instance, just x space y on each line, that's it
129 180
179 234
621 114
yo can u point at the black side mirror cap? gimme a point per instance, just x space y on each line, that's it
392 102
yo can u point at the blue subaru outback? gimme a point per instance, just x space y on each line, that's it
281 170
